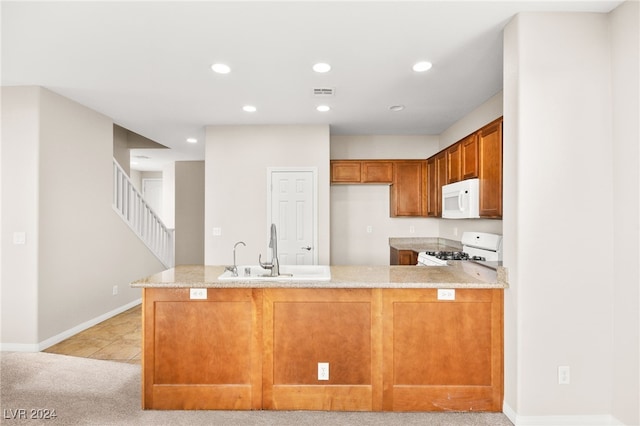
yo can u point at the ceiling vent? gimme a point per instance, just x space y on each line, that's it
323 91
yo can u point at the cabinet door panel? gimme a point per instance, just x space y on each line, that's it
469 147
377 171
346 171
441 179
408 197
304 327
490 173
454 163
442 355
202 354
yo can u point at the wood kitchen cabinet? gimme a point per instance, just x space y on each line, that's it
490 169
361 171
388 349
441 179
442 356
402 257
377 171
454 163
432 188
469 154
202 354
346 171
408 192
436 173
479 155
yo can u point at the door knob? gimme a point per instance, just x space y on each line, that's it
308 248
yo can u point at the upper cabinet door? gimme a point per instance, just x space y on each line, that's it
454 163
469 148
432 188
345 171
490 169
408 191
377 171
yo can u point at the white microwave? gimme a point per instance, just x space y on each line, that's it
461 200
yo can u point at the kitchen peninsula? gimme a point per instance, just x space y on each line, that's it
372 338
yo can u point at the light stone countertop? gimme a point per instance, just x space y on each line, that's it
418 244
460 274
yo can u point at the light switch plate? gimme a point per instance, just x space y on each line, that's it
19 238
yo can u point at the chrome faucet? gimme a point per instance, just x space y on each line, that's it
274 266
234 268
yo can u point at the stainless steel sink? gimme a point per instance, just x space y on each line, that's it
287 273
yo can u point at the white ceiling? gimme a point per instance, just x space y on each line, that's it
147 64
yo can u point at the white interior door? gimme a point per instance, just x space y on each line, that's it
293 209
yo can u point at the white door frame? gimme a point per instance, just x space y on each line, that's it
314 186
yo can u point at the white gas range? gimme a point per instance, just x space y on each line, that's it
477 246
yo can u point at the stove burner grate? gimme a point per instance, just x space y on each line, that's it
454 255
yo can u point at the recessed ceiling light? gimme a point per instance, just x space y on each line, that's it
192 140
422 66
323 108
396 108
249 108
321 67
221 68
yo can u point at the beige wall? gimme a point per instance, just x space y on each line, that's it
19 286
189 212
625 39
560 170
236 162
121 148
77 247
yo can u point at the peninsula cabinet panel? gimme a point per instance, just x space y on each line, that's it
387 349
490 169
202 354
303 327
442 355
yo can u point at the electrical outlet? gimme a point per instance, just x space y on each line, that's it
198 293
19 238
446 294
564 375
412 229
115 290
323 371
369 229
217 232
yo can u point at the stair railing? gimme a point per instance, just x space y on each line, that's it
134 210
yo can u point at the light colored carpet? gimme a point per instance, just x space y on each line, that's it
94 392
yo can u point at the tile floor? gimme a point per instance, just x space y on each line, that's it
117 339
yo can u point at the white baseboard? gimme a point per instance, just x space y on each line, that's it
581 420
37 347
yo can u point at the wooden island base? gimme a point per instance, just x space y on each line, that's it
387 349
